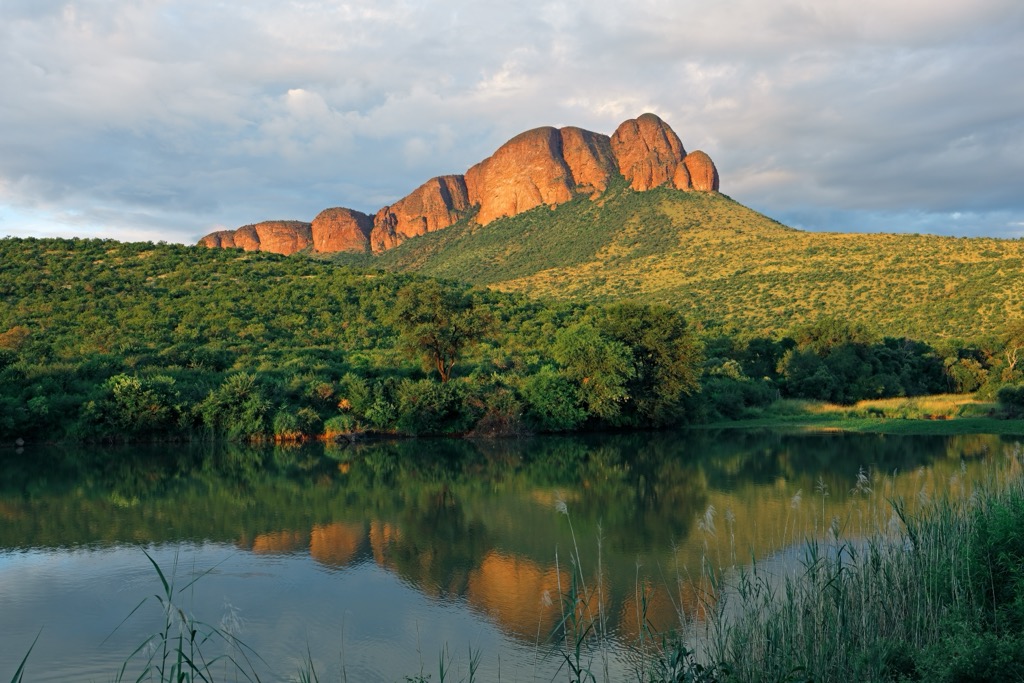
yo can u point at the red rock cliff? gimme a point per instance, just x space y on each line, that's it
279 237
434 205
648 152
544 166
341 229
524 173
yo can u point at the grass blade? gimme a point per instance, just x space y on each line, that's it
19 674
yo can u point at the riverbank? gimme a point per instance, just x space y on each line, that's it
933 595
942 415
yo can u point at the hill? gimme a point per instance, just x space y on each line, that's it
727 266
544 166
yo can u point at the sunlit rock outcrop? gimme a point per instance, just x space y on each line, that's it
541 167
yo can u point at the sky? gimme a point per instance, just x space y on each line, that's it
168 119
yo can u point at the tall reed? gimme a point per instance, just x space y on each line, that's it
180 651
874 606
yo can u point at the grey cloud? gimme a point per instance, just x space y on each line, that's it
176 118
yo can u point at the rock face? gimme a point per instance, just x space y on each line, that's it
544 166
434 205
703 174
341 229
525 172
590 159
648 152
279 237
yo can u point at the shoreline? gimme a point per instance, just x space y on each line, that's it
875 425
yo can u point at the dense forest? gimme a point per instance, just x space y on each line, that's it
109 341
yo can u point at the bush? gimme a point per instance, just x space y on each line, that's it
129 407
732 399
429 407
503 414
296 425
238 408
1011 400
552 402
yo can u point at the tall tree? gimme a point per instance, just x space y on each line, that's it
438 322
1013 350
665 355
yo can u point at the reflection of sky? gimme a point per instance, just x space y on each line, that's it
362 617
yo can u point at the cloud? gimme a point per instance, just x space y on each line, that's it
175 117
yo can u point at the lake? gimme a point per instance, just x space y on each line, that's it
377 561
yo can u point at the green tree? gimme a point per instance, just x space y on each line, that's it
598 365
665 356
132 406
1013 350
438 322
826 333
239 407
552 401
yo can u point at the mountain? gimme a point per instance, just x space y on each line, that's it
541 167
727 266
570 214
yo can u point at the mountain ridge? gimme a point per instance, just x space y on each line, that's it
543 166
726 266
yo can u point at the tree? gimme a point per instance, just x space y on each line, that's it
438 322
665 356
1013 350
597 365
828 332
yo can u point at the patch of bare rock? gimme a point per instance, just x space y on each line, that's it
540 167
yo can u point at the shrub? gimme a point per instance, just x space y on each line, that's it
429 407
238 408
296 425
128 407
503 414
1011 400
552 402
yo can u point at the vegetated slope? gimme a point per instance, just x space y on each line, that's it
728 266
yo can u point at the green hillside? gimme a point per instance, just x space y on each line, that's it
727 266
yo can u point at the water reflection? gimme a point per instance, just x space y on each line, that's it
475 523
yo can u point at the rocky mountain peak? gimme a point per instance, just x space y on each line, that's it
540 167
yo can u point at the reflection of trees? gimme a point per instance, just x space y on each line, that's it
438 546
764 456
474 519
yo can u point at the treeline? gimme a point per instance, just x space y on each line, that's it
106 341
843 362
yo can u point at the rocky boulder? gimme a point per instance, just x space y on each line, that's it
590 159
702 171
279 237
648 152
434 205
341 229
525 172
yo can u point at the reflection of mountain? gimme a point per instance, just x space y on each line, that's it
478 523
276 542
335 544
518 594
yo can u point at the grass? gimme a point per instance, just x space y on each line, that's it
947 414
19 673
936 595
724 264
180 651
894 591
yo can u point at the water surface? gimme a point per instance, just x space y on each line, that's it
380 559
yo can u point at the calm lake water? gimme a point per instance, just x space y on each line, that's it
377 560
